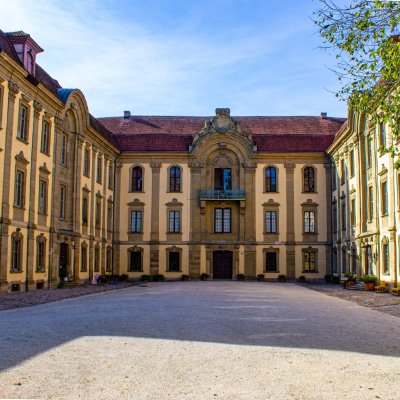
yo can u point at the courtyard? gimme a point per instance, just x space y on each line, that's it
200 340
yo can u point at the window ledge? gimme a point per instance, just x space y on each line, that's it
43 213
271 272
176 272
19 207
46 154
86 175
40 271
270 192
65 166
174 191
310 233
309 192
16 272
136 191
134 271
62 219
22 140
309 272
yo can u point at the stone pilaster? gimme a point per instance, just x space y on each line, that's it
328 180
290 233
155 218
116 219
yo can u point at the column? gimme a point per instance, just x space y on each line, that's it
155 218
290 234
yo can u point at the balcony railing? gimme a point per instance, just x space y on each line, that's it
209 194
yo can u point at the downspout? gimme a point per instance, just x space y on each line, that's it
113 223
395 182
377 264
360 222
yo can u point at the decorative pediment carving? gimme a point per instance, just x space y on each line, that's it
20 157
222 161
16 236
222 123
43 169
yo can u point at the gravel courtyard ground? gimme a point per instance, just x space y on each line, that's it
200 340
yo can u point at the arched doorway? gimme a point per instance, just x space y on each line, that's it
64 262
222 264
368 260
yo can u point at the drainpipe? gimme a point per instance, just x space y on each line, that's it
377 264
360 222
395 182
113 213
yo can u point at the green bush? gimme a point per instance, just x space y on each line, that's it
145 278
123 278
369 278
335 279
240 277
261 276
204 276
158 278
282 278
111 278
328 278
350 276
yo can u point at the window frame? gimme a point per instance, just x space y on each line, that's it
64 149
169 250
84 257
86 163
135 229
271 186
43 199
267 251
308 189
310 251
41 253
174 181
138 187
131 251
63 200
223 219
46 135
23 122
176 222
20 189
99 170
16 240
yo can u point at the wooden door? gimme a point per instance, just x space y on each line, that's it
222 264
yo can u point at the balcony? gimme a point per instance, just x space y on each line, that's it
210 194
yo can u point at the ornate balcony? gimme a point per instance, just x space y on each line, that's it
210 194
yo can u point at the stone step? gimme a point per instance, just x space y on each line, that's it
69 285
358 286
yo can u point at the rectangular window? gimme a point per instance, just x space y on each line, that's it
382 134
343 217
16 255
86 164
384 198
98 215
46 137
84 259
342 172
110 177
96 259
135 261
309 221
99 170
352 165
334 222
369 151
309 261
385 256
136 221
85 215
1 105
41 248
108 260
222 179
270 222
63 193
64 145
334 178
370 203
353 212
174 261
20 189
43 197
109 219
23 123
174 221
271 264
222 220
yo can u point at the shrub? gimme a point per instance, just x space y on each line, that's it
158 278
185 277
350 276
328 278
145 278
282 278
335 279
204 276
240 277
369 278
123 278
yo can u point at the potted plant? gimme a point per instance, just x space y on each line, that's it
204 276
282 278
123 278
260 277
158 278
240 277
145 278
328 278
302 279
335 280
369 281
185 278
351 279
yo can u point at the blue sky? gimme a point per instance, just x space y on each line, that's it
174 57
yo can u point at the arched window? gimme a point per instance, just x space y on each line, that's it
16 251
175 179
137 181
270 179
309 179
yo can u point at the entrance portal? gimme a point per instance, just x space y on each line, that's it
63 264
222 264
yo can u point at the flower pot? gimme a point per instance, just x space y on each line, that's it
370 287
204 279
302 280
185 279
282 279
351 283
260 279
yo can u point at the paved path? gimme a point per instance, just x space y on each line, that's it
200 340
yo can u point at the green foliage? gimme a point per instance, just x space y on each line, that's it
111 278
335 279
282 278
158 278
204 276
240 277
364 36
328 278
260 276
145 278
350 276
369 278
185 277
123 278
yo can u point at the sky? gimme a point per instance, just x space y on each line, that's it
183 57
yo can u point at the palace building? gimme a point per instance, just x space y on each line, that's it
220 195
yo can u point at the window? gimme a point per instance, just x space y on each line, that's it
353 212
222 179
98 215
382 134
110 177
85 210
43 197
23 123
84 257
46 137
64 145
174 221
309 179
63 191
384 198
97 259
309 261
344 261
1 105
270 222
20 189
109 219
135 264
86 163
369 151
41 253
333 178
174 261
137 179
136 221
343 217
271 264
108 259
222 220
99 170
16 252
270 179
342 172
385 255
334 222
352 166
334 269
309 221
175 179
370 203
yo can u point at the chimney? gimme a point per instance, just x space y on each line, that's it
324 115
127 114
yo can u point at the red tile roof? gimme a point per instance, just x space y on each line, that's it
271 134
